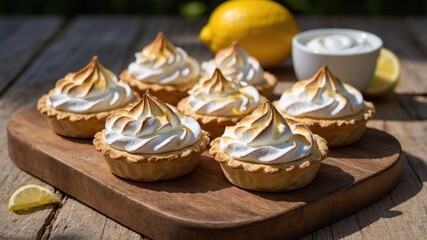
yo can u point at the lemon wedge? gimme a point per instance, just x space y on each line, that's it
386 76
29 196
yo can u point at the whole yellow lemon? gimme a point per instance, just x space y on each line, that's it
264 28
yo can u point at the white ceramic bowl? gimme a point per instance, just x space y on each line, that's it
355 68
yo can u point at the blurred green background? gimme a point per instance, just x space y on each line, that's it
191 8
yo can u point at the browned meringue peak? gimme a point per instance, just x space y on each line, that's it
217 84
152 106
266 126
322 96
234 52
160 49
92 78
322 80
150 126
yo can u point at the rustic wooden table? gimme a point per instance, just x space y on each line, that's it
35 52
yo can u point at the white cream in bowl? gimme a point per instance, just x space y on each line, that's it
350 54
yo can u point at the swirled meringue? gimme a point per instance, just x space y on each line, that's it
150 126
219 97
162 63
90 90
236 64
265 137
323 96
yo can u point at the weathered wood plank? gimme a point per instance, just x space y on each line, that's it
347 228
20 40
85 37
90 225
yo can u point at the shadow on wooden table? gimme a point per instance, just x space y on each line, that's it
384 208
358 149
327 174
419 165
406 189
206 177
414 107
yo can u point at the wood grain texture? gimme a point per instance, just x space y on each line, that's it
20 40
204 204
100 227
15 54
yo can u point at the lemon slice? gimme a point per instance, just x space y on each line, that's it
29 196
386 76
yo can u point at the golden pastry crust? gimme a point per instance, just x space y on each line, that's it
166 93
215 125
266 89
77 125
151 167
338 132
274 177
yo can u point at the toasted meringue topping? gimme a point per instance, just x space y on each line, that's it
265 137
151 126
323 96
236 64
219 97
162 63
92 89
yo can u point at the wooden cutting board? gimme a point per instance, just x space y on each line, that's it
203 204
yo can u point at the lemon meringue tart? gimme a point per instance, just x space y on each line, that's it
217 102
150 141
81 102
167 71
236 64
333 109
266 152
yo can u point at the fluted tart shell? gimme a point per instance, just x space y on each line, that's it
76 125
338 132
273 177
151 167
